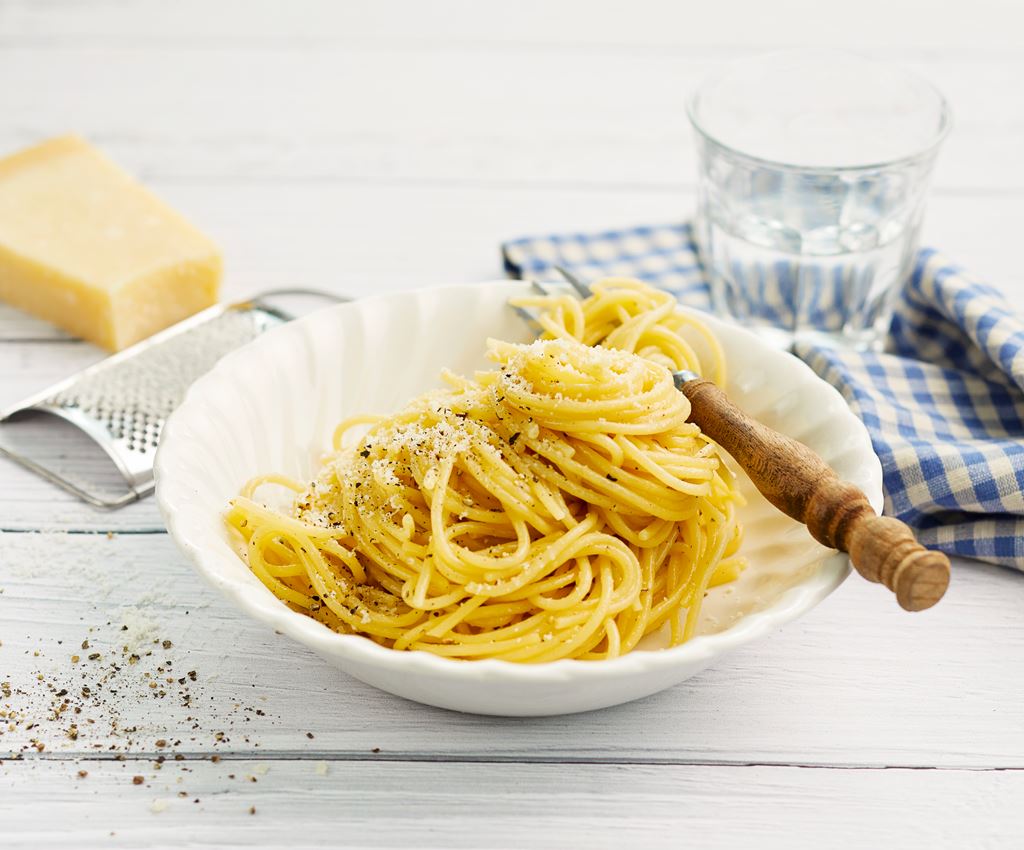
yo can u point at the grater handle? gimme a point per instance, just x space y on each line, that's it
97 501
132 456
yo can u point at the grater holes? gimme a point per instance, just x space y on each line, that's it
143 431
114 423
130 426
131 399
153 434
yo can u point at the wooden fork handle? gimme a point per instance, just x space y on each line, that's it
800 484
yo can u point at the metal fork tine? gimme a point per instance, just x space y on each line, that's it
528 315
529 318
581 288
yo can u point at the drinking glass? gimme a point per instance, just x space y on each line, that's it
814 166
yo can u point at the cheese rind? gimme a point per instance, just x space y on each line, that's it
86 247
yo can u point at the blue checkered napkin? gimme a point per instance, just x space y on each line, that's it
945 406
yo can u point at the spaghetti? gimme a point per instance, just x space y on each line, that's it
560 506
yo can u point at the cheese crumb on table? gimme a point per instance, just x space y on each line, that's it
86 247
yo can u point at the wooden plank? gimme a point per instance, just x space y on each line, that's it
568 24
386 238
319 113
358 239
402 805
437 130
29 367
856 682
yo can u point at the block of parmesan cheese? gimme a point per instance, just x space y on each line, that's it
86 247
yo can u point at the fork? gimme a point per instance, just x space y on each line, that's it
799 483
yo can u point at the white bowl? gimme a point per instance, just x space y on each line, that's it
272 405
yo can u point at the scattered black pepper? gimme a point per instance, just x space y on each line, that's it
101 688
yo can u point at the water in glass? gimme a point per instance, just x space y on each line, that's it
813 171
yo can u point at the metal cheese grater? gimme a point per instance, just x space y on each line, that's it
123 402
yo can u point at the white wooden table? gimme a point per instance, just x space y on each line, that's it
365 147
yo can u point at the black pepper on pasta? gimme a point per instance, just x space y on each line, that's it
559 506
